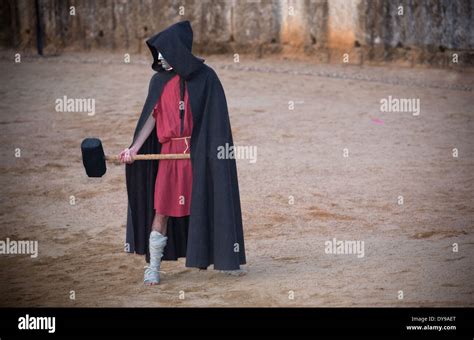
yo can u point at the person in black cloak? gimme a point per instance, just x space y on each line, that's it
185 111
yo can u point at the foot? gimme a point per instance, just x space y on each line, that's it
152 277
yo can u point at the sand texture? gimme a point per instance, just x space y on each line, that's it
299 193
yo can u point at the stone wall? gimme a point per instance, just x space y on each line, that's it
428 31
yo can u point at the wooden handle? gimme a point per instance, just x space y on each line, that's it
150 157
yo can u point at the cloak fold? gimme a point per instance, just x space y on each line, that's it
213 233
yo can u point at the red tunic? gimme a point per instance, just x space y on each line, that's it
174 178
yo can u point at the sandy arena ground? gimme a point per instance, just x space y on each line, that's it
300 154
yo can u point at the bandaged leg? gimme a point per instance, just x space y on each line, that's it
156 246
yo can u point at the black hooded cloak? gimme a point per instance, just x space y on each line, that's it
212 233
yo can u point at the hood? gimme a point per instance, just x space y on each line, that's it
175 44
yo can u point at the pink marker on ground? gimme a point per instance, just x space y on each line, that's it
377 121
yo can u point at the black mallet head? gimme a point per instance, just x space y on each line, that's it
93 157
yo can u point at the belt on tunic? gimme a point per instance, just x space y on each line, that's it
185 141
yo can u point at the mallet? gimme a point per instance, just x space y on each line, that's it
94 158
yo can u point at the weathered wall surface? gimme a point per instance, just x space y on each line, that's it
428 31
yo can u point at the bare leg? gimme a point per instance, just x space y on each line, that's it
160 224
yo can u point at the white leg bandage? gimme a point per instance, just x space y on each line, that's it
156 246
